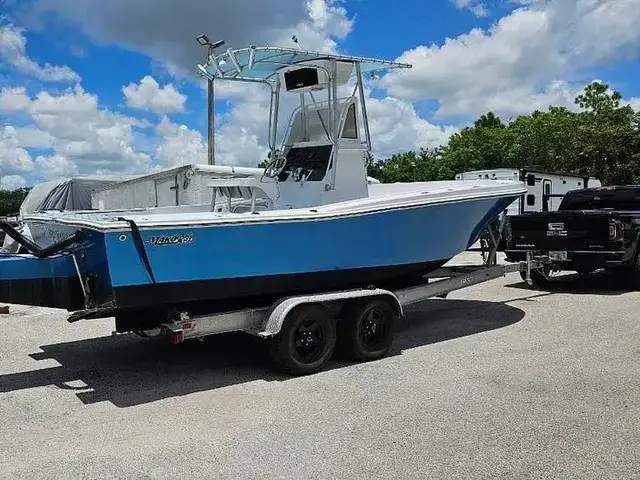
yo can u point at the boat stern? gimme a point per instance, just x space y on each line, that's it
68 271
43 282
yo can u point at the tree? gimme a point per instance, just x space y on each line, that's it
602 140
548 140
597 98
479 147
10 201
421 166
489 120
610 134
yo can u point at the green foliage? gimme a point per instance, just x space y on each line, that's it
424 165
10 201
602 140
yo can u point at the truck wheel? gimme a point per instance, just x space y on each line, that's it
306 341
634 273
366 330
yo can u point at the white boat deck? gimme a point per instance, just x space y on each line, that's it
381 197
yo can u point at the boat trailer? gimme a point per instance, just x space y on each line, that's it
360 323
306 329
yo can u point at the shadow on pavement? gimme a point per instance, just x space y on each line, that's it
127 370
598 283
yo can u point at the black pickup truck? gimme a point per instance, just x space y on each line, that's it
594 228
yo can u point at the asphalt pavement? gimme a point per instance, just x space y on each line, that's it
498 381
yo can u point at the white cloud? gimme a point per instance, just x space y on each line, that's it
149 95
56 166
477 8
179 145
33 137
12 182
525 55
237 144
396 127
13 99
78 130
329 17
635 104
526 60
13 158
166 30
83 137
13 52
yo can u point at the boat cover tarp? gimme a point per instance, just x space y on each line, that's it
65 194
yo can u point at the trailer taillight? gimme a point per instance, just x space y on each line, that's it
175 335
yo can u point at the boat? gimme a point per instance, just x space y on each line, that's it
73 193
328 226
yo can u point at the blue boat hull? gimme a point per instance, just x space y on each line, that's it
50 282
247 262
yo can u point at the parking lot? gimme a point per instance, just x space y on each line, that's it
496 381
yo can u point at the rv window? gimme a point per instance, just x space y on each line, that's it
350 129
531 200
547 189
531 180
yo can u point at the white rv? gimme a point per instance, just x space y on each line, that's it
544 190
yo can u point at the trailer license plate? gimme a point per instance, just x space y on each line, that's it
558 256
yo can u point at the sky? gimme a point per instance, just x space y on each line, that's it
110 87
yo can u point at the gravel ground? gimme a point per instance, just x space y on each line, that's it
497 381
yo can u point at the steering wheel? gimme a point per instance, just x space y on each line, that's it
275 166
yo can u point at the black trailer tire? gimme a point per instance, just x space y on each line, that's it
306 341
366 329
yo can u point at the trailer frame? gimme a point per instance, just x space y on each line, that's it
269 322
360 322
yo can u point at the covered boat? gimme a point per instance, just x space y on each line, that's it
327 227
63 194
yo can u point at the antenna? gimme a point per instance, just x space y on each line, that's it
295 40
204 41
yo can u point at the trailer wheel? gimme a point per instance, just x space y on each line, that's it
366 329
306 341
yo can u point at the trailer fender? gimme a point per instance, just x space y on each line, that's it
275 319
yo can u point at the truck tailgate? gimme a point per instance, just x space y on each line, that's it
570 230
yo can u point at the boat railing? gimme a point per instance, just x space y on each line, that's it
234 188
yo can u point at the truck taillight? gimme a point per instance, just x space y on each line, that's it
614 230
